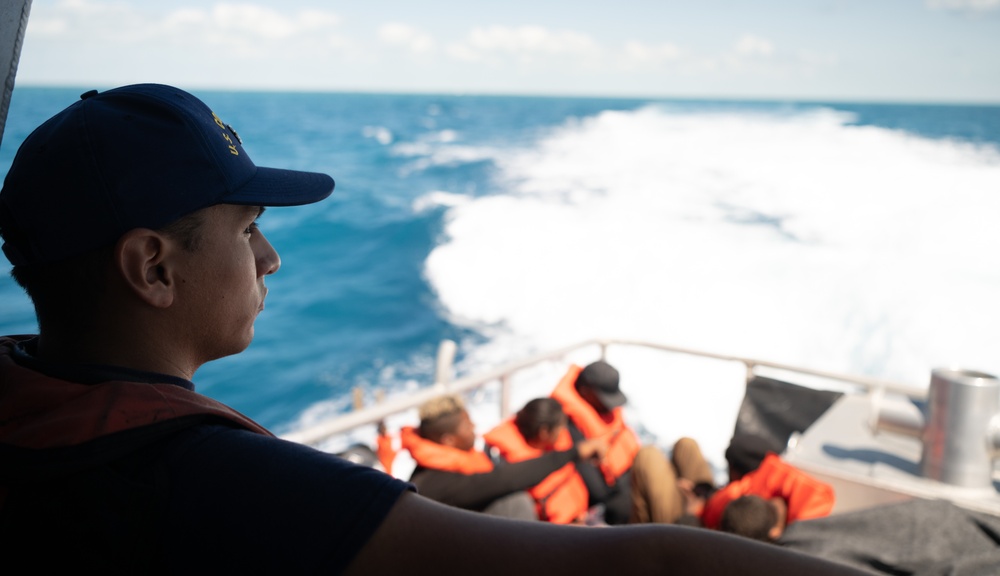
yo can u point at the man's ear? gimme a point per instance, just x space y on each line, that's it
448 439
140 255
776 531
781 517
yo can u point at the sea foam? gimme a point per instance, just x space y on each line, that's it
797 237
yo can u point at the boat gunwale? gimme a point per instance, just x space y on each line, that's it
341 424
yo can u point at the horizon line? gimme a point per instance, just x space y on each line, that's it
884 100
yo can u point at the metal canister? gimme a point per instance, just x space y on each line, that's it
958 449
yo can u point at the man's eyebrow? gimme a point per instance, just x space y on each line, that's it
260 210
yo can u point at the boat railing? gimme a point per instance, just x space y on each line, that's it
443 383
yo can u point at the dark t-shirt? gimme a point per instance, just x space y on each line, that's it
244 502
209 498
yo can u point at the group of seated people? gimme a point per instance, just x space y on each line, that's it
571 459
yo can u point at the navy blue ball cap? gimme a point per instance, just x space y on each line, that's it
138 156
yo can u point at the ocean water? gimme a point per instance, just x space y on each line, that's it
857 238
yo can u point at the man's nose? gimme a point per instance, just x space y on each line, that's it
267 258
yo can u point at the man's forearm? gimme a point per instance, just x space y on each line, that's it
420 533
475 491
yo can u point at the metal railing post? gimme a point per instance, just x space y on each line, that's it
504 397
444 368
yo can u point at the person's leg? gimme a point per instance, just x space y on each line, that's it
655 497
690 463
518 506
618 505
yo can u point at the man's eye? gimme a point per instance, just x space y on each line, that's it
251 228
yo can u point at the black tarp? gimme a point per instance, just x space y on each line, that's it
772 410
918 538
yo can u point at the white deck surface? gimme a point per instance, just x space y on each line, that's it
867 469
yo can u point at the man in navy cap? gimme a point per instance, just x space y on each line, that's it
131 222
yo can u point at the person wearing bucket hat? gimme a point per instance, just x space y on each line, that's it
130 219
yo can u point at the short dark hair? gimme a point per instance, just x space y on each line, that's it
750 516
66 293
440 416
186 230
537 414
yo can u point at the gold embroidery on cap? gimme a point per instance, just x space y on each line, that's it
225 135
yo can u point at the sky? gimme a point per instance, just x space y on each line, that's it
855 50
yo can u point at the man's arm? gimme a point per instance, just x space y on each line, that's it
476 491
593 479
421 533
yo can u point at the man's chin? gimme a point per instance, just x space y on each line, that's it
237 347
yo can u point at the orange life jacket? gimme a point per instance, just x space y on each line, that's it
385 452
561 498
623 447
440 457
806 496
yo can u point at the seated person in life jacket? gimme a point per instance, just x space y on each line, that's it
538 428
592 400
754 517
451 471
670 492
786 493
636 484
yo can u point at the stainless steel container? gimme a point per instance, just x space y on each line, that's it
958 436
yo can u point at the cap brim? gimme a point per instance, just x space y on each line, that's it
611 400
278 187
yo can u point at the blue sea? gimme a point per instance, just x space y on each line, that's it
860 238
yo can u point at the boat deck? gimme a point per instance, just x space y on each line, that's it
868 469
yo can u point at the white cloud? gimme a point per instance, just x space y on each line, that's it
243 24
108 42
114 20
523 42
750 45
640 53
318 19
817 59
48 26
251 21
406 36
186 17
963 5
